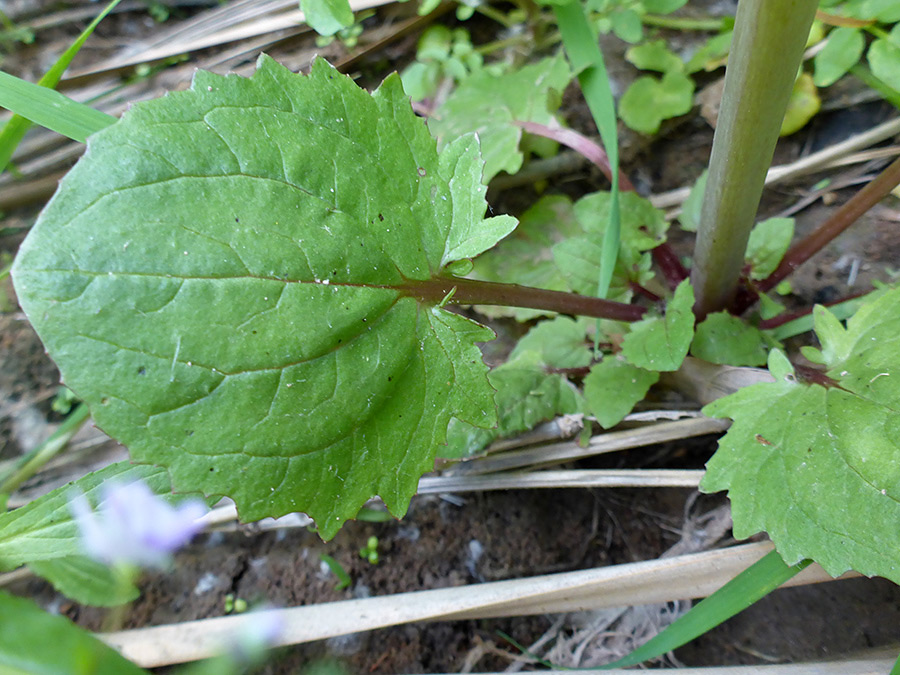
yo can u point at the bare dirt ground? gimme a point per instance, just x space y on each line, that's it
456 540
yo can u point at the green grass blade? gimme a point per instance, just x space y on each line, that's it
32 462
581 46
896 669
754 583
51 109
15 128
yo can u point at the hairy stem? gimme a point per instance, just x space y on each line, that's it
843 218
769 39
472 292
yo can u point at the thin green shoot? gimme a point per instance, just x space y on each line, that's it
30 463
896 669
580 42
344 579
15 128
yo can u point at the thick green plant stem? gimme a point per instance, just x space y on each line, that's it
769 38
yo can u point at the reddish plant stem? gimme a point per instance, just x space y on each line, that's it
744 298
787 317
581 144
646 292
845 216
811 375
577 372
472 292
669 264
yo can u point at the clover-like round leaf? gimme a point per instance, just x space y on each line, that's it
816 465
230 278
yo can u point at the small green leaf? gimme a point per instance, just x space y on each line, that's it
642 225
227 278
627 25
526 395
842 51
768 307
34 641
769 240
690 210
613 387
662 6
882 11
817 467
661 343
470 233
649 101
435 43
559 343
780 367
726 339
578 260
327 17
711 55
884 60
489 104
86 581
654 55
802 106
420 80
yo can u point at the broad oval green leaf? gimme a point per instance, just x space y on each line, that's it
230 279
613 387
814 466
727 339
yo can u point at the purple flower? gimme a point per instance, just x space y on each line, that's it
134 526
